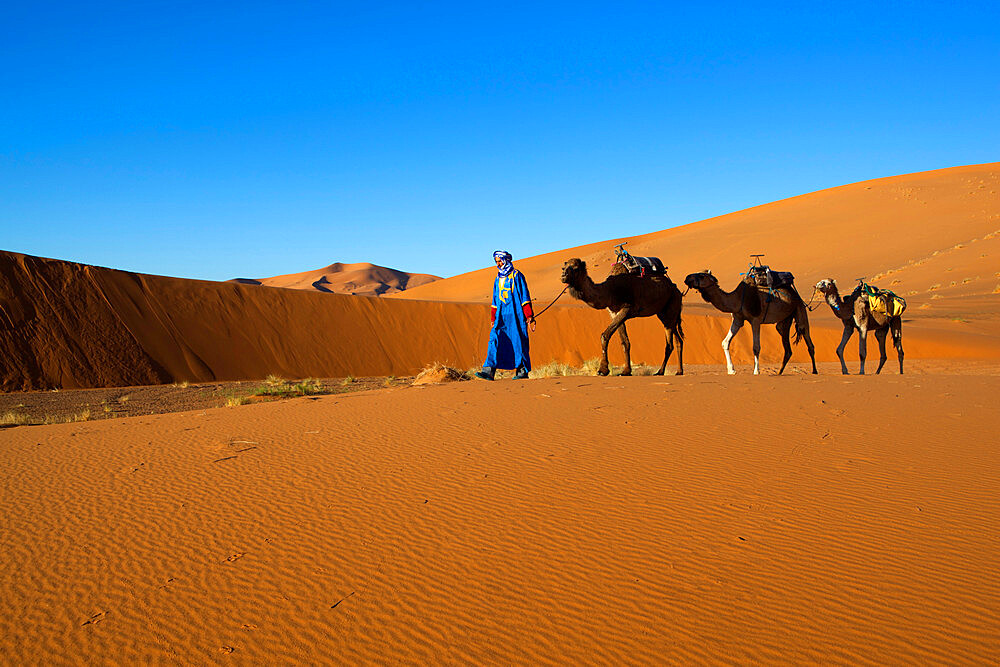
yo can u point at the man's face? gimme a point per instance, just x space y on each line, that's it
498 260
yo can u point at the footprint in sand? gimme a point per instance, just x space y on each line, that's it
95 619
226 649
235 557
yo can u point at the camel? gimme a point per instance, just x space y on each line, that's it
748 303
855 313
627 295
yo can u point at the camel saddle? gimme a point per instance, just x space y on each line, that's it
764 278
882 301
644 266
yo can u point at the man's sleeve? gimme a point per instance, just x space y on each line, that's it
525 297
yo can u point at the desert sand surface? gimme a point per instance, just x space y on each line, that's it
696 519
931 237
361 279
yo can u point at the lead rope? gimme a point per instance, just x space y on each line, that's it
809 305
553 302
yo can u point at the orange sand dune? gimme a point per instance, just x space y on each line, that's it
932 237
362 279
70 325
703 519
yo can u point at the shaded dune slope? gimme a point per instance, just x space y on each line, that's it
70 325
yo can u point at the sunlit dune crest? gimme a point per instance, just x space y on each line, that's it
361 279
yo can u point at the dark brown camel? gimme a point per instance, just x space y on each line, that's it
627 295
856 313
748 303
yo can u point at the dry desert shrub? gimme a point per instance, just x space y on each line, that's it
82 416
278 386
996 290
437 373
589 367
934 287
234 401
13 419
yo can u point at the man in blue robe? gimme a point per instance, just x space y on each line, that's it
512 316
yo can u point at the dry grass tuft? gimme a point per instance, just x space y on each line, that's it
82 416
437 373
589 367
234 401
13 419
277 386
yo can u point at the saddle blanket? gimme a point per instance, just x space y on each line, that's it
764 277
645 266
882 301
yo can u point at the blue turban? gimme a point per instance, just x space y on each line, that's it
506 265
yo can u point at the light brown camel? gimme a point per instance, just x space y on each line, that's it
855 313
748 303
627 295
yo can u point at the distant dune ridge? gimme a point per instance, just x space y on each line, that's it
362 279
932 237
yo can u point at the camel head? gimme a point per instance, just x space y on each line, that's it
573 271
701 281
826 286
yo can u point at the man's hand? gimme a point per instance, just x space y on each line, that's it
531 324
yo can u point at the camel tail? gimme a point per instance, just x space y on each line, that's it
801 318
801 323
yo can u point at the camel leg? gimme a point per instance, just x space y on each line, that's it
896 327
676 331
733 328
783 327
848 332
880 334
668 333
755 328
863 347
811 348
623 335
616 322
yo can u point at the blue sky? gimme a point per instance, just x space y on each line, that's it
216 140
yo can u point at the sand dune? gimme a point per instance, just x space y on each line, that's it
925 235
74 326
932 237
361 279
700 519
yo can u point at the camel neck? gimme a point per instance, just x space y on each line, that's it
836 304
727 302
589 292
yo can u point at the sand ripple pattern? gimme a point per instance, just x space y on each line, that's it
689 520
